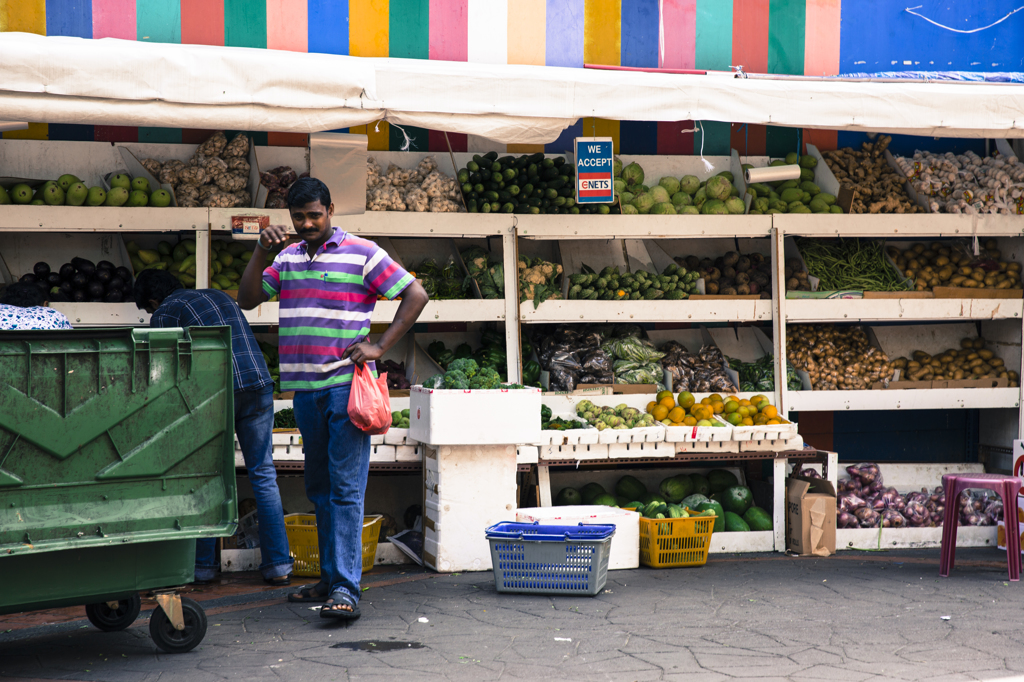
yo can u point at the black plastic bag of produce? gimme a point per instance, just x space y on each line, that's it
597 362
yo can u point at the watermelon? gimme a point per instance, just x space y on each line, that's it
700 484
674 489
735 524
567 497
653 497
720 479
604 500
737 499
719 514
590 491
758 519
631 488
693 501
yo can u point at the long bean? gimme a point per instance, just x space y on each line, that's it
857 264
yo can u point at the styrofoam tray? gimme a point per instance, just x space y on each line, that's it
711 446
570 437
690 434
398 437
573 452
527 454
648 434
412 452
382 453
641 449
765 432
772 444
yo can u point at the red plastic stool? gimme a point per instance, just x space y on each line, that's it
1007 487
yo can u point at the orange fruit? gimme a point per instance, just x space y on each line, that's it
661 412
690 421
650 406
667 402
734 418
758 398
715 398
730 406
686 400
676 414
747 421
705 401
773 421
744 402
771 412
662 395
718 407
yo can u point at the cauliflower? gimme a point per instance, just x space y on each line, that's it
534 275
486 378
467 366
454 379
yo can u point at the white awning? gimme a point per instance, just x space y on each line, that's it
116 82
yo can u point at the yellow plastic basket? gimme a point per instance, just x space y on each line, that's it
672 543
305 548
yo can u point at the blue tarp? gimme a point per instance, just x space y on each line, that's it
977 76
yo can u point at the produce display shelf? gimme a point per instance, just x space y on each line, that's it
388 223
102 314
806 455
642 227
894 226
298 466
902 309
467 310
912 538
724 310
900 399
20 218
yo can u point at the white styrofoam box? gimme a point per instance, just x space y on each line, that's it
641 449
903 538
484 417
398 436
691 434
408 453
573 452
287 447
527 454
376 439
647 434
587 436
765 432
382 453
742 543
236 560
468 489
772 444
625 549
711 446
910 477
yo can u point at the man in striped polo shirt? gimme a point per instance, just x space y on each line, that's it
328 284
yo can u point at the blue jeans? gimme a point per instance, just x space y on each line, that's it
337 464
254 426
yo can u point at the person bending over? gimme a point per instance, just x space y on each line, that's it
23 305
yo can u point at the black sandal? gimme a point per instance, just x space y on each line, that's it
279 581
339 599
308 594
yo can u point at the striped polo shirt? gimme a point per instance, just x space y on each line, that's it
326 303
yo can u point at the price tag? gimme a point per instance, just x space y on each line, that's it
249 224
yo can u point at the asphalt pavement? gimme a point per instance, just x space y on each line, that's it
855 616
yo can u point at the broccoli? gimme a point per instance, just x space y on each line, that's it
436 381
465 366
486 378
454 379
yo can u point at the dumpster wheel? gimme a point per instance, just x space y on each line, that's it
175 641
111 616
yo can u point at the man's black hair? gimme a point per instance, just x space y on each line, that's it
23 295
156 285
307 190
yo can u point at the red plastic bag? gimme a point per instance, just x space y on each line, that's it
369 407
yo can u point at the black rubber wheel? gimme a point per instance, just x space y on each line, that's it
179 641
112 620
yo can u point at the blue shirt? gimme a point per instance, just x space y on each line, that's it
212 308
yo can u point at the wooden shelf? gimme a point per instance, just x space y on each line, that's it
902 309
647 311
923 399
469 310
642 227
22 218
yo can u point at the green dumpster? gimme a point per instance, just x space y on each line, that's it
116 453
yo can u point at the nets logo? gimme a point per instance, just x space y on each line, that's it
595 184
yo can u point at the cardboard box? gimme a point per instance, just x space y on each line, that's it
810 516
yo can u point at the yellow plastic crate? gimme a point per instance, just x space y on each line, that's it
305 548
672 543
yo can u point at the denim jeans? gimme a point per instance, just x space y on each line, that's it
254 426
337 464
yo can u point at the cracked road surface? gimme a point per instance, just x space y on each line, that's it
857 616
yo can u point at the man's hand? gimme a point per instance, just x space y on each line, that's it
360 353
275 234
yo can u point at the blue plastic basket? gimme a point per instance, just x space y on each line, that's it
529 558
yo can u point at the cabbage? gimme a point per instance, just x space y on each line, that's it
643 202
670 184
633 174
699 198
718 187
620 186
735 205
617 165
626 197
663 208
714 207
689 184
681 199
660 194
629 209
687 210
